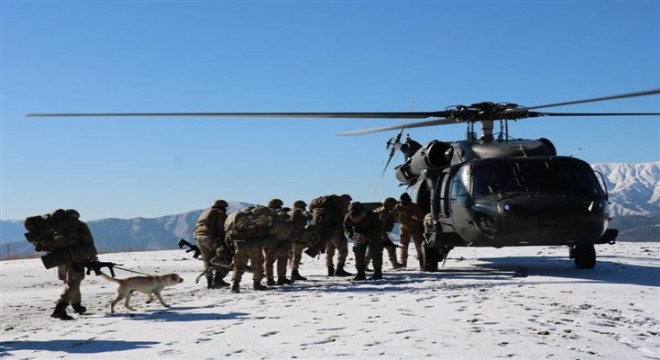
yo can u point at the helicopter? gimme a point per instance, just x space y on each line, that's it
488 191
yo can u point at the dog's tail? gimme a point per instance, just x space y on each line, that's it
105 276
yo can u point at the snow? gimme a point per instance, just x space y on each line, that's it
511 303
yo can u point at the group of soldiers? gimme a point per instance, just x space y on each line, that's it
331 221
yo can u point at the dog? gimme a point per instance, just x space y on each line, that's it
151 285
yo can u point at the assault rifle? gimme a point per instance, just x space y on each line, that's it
98 265
191 247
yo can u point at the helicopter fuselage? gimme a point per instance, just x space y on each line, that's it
516 193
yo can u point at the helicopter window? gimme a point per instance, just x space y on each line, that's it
494 178
460 184
558 177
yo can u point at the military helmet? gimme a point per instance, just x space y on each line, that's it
275 203
299 204
73 213
219 204
405 197
389 201
346 197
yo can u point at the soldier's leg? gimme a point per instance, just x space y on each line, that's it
282 255
376 251
257 257
418 239
296 257
329 255
342 248
391 254
76 275
269 260
360 251
240 263
205 244
405 241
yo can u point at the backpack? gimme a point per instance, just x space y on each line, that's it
53 231
334 202
257 222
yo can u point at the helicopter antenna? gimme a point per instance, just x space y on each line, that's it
576 151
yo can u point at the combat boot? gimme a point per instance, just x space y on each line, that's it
79 309
295 275
235 287
257 286
331 270
284 281
397 265
218 282
270 282
360 276
378 275
60 312
341 272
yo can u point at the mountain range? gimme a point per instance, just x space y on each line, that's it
634 191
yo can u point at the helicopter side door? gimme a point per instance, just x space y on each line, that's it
460 202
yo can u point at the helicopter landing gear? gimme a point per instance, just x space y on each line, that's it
584 256
429 258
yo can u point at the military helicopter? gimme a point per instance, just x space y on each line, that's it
487 191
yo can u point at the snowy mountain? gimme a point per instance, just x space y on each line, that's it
634 191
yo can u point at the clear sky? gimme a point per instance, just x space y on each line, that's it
205 56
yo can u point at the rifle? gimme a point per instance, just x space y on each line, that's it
97 265
191 247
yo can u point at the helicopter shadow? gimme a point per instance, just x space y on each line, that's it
73 346
605 271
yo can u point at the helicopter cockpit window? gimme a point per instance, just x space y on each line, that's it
559 177
460 184
494 178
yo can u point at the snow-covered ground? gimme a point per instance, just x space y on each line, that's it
521 303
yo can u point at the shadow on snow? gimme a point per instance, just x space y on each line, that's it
81 346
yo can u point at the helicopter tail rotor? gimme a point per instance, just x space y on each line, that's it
393 144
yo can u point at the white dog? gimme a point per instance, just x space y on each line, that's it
151 285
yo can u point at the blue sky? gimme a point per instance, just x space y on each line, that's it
204 56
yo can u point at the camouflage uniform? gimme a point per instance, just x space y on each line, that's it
328 223
300 219
366 230
410 217
210 234
278 253
386 218
244 252
72 275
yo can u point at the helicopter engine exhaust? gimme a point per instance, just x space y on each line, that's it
435 154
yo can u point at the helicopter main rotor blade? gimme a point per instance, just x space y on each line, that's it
598 114
404 126
635 94
345 115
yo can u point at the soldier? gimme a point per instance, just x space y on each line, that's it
328 214
300 219
410 217
73 273
278 253
248 248
366 230
385 216
210 235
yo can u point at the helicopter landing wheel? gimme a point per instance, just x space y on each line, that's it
584 256
429 258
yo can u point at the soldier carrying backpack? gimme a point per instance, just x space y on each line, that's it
328 215
70 247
